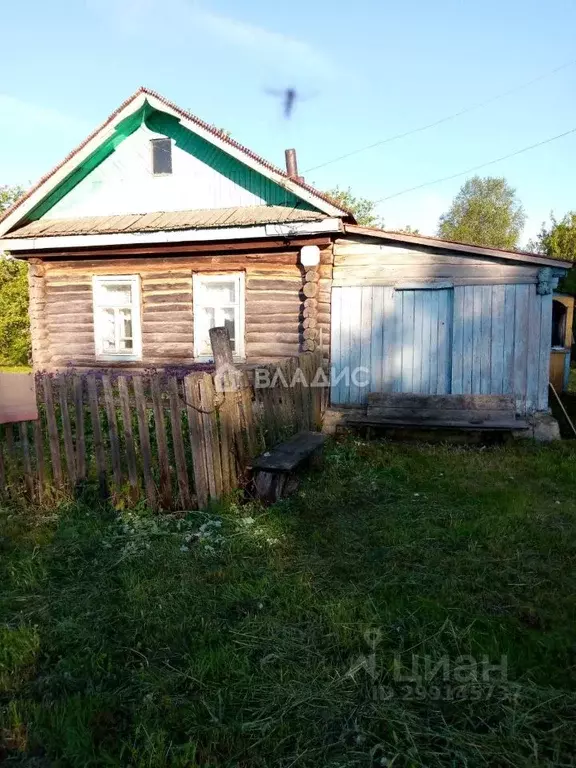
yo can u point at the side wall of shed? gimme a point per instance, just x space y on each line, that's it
498 325
61 308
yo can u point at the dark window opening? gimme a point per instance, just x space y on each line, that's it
559 313
161 156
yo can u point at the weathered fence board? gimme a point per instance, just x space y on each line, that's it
179 442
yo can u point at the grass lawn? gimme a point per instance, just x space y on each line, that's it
286 637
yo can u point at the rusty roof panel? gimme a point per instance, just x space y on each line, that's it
161 222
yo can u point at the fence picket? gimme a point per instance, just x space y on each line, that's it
39 453
97 435
112 431
62 384
161 444
197 439
53 440
144 435
80 433
28 477
178 442
127 430
210 432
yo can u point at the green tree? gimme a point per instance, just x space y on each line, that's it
8 195
362 208
14 324
486 211
558 241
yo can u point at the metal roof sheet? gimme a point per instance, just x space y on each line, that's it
170 220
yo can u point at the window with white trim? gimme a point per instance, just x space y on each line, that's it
117 328
218 301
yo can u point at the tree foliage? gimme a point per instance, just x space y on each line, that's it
8 195
14 324
558 241
363 209
486 211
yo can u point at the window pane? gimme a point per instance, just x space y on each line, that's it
126 345
231 325
220 293
115 294
126 323
161 156
106 330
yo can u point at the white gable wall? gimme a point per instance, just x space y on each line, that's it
124 183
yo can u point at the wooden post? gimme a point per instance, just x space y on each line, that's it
226 381
221 347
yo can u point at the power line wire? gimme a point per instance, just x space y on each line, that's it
445 119
477 167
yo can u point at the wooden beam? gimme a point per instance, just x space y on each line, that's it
170 249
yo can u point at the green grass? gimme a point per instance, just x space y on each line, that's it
277 637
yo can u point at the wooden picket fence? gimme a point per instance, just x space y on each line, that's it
176 441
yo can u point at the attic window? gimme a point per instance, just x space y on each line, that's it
161 157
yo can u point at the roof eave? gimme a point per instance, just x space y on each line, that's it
449 245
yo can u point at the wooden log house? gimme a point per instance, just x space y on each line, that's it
159 227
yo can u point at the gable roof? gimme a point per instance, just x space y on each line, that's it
453 245
14 215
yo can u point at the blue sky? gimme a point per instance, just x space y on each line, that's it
367 70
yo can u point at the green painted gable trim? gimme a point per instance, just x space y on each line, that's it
187 140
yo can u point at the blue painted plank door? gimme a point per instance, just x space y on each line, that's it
387 340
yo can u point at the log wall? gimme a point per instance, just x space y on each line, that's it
279 319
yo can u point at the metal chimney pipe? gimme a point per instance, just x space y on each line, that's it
291 163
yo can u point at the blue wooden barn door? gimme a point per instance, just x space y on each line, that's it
424 323
389 340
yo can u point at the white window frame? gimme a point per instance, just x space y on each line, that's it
134 281
198 280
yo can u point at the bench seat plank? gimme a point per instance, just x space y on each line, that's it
442 402
286 456
438 423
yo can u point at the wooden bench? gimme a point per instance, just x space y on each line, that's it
274 469
479 412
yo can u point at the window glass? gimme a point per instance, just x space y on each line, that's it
161 156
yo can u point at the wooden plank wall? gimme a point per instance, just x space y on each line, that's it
499 327
362 262
62 309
